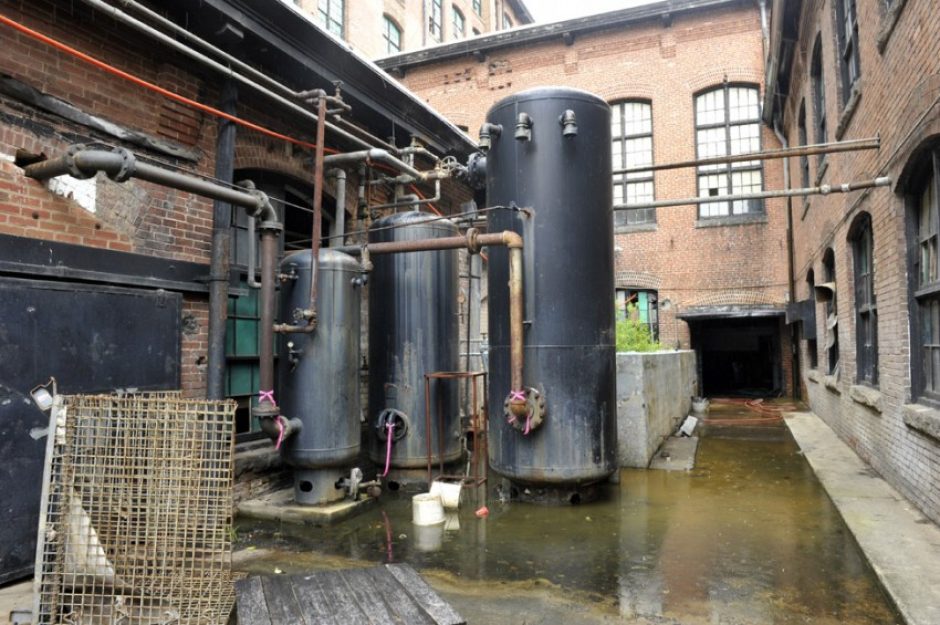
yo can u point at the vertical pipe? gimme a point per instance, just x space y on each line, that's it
269 253
221 249
339 223
516 322
317 211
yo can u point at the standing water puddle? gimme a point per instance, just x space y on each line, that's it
747 537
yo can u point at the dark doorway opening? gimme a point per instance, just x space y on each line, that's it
738 356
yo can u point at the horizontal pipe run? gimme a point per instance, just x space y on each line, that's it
121 165
825 189
803 150
375 155
414 202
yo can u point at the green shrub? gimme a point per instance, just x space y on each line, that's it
633 335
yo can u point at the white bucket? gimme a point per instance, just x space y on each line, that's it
449 492
426 509
428 539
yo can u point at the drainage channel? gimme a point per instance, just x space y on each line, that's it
748 536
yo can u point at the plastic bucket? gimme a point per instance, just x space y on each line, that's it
449 492
426 509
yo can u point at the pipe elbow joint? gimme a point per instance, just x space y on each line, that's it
511 239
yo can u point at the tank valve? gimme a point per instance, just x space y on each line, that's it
524 127
293 355
569 124
394 417
488 132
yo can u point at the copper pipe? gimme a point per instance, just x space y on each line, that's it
473 241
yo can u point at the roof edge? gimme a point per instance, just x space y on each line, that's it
539 32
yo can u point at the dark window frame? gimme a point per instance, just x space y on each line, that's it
642 216
818 89
846 27
507 21
436 20
861 238
328 20
478 7
803 139
728 170
631 295
390 25
832 312
812 345
459 23
924 288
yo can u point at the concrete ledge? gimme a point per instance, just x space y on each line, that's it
867 396
832 383
901 545
923 419
813 376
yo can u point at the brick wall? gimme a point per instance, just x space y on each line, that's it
690 264
898 103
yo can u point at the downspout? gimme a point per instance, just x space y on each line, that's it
339 221
794 343
221 249
764 29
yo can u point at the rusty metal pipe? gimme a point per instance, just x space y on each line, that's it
269 253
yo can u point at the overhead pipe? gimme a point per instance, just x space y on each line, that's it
413 202
825 189
473 241
803 150
376 155
132 22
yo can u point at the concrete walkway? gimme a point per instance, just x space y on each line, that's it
902 546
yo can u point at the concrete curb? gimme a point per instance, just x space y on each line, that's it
901 545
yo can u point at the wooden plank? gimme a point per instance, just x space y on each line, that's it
318 606
252 608
359 586
345 610
283 608
438 609
396 597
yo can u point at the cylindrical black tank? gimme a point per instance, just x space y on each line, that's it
319 374
413 330
562 172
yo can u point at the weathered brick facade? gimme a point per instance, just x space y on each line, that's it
889 423
699 265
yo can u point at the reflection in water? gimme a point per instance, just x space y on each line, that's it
748 536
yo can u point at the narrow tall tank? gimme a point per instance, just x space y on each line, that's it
319 374
552 155
413 330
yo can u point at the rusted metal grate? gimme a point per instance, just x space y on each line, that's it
136 525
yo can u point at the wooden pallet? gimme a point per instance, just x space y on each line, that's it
392 594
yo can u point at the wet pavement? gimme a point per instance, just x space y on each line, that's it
747 537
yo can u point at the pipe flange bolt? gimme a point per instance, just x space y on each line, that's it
128 165
473 240
74 171
535 410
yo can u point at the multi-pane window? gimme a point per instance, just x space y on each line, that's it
866 313
847 36
392 36
804 159
330 15
642 305
819 99
926 304
832 314
812 346
507 21
459 23
478 7
632 134
727 123
436 20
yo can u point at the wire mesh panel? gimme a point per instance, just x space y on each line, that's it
137 523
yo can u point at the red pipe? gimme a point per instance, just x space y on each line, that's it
140 82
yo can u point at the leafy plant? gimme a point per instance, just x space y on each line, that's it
633 335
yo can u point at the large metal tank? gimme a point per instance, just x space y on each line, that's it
413 330
319 374
552 155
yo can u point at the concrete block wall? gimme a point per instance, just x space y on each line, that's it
654 395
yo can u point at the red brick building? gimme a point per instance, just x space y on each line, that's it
107 284
845 70
685 80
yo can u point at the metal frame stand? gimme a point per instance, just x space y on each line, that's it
477 427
